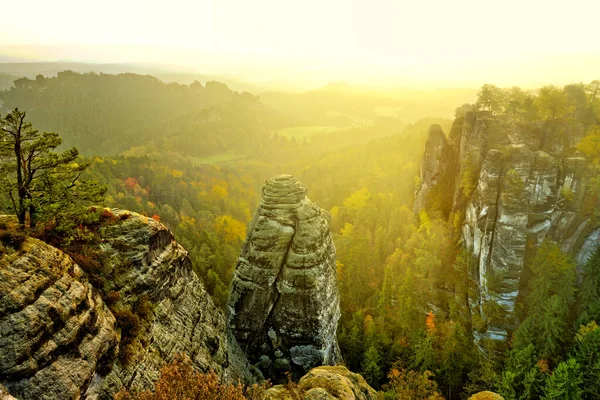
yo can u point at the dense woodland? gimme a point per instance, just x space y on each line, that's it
164 150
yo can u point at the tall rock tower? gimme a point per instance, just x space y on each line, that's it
283 305
514 185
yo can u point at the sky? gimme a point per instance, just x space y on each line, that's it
437 42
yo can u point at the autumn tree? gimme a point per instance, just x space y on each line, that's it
39 182
180 381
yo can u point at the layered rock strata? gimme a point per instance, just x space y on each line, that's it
283 307
59 340
55 330
516 185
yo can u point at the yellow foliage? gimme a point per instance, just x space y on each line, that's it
230 228
590 145
585 330
357 200
176 174
218 192
346 231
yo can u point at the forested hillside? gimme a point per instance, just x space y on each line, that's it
405 279
107 114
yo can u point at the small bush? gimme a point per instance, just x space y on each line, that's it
129 323
143 308
13 239
88 263
131 326
112 298
179 381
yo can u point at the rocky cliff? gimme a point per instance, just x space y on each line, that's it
283 306
514 185
60 340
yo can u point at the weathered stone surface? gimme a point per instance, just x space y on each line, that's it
55 330
145 260
326 383
283 306
58 339
531 185
486 396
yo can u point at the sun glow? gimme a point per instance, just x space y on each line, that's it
436 42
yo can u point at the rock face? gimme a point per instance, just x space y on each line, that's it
283 306
516 185
149 263
59 340
56 331
435 153
326 383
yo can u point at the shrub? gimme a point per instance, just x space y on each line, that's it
179 380
12 239
88 263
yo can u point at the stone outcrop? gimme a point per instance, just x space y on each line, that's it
486 396
435 153
146 261
55 330
283 306
516 185
59 340
326 383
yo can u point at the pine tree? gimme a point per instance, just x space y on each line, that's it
565 381
587 354
589 296
371 366
40 183
551 295
522 377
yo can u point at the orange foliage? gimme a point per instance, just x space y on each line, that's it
156 217
543 366
130 183
430 322
179 381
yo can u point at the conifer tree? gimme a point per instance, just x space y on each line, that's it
40 183
565 381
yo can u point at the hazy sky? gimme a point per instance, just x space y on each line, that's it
452 41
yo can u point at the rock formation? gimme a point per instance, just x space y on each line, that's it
326 383
486 396
516 185
434 154
283 306
56 331
59 340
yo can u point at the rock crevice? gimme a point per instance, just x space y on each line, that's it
283 306
516 185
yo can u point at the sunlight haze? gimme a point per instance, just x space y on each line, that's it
462 42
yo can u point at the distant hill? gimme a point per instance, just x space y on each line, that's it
106 114
19 69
